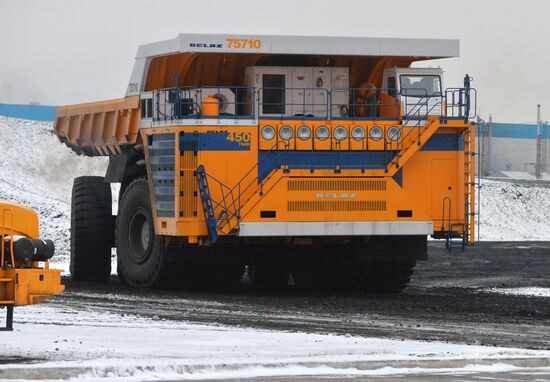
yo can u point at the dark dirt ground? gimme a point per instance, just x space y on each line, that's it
445 301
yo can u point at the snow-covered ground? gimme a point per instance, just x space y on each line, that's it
514 212
526 291
108 346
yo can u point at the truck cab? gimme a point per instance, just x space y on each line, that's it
418 90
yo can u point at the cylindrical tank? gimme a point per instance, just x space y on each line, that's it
210 107
26 250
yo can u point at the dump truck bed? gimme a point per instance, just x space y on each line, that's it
99 128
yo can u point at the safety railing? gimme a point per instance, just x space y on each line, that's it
242 102
233 102
364 104
281 103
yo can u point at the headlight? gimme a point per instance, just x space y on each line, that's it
376 133
340 133
322 133
394 133
304 133
268 132
286 132
358 133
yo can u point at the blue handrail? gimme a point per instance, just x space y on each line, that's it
318 103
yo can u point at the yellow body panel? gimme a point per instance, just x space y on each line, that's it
23 220
417 185
27 286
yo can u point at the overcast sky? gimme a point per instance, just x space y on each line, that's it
61 51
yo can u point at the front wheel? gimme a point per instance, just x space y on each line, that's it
140 253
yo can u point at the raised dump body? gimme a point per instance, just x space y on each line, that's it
326 158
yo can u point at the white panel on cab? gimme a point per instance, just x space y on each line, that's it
322 78
340 92
301 97
270 84
298 91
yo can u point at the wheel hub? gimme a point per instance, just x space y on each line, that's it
139 236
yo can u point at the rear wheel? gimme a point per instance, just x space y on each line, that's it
140 253
269 275
220 275
331 268
92 229
389 276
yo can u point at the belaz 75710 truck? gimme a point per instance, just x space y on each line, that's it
330 159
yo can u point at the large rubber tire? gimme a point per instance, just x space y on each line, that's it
141 257
326 269
92 229
389 276
263 275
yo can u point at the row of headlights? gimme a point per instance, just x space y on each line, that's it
323 133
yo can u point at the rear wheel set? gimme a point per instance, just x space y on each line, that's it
337 269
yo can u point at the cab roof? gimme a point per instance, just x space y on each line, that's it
303 45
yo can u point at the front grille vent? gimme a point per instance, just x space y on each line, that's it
337 185
335 205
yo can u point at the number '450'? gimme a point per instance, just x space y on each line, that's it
238 137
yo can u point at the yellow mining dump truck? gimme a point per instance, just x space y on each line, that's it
25 277
330 159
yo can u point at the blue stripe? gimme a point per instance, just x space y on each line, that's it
444 142
32 112
213 141
309 160
517 130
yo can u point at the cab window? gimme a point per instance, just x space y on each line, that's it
420 85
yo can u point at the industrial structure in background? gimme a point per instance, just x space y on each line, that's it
514 151
326 158
25 277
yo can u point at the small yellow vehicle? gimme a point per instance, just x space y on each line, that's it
25 277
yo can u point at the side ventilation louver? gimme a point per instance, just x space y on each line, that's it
162 155
335 205
337 185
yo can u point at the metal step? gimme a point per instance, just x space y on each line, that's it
206 200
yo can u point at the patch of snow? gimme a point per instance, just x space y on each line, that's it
514 212
101 345
525 291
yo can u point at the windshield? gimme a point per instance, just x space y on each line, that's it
420 85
